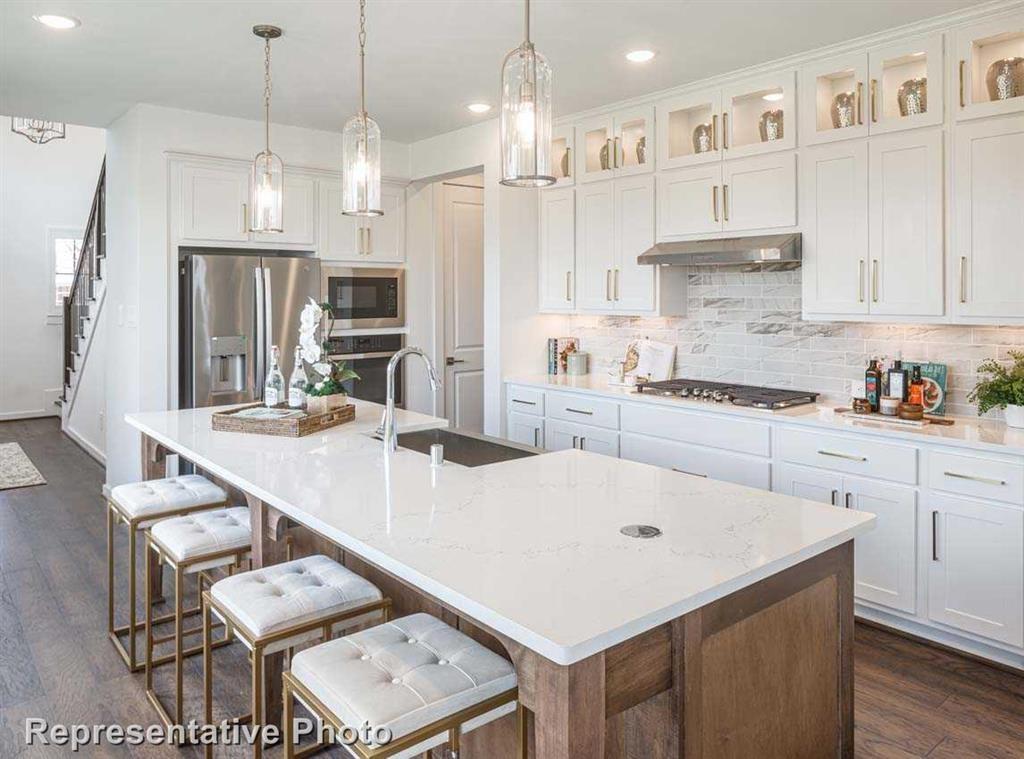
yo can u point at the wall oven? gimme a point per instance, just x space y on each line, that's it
363 298
368 356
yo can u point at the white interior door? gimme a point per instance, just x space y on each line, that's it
464 306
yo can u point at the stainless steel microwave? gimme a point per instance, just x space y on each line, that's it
364 297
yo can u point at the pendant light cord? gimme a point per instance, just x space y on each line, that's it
362 60
527 25
266 90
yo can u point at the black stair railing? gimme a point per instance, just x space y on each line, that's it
91 257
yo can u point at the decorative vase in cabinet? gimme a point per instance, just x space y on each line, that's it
912 97
844 110
770 125
1005 79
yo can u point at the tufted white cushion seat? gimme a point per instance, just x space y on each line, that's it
404 675
268 600
155 497
192 536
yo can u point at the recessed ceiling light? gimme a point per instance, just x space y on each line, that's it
479 107
773 97
639 56
57 22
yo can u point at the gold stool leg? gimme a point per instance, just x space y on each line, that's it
179 640
110 569
207 669
287 715
257 700
132 627
149 622
454 734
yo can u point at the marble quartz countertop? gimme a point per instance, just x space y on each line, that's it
531 547
965 432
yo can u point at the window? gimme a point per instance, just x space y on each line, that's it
63 248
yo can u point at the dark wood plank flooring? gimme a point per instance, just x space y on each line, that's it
912 700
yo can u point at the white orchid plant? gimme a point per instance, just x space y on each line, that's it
323 376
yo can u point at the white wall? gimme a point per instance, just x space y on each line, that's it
41 186
141 334
514 333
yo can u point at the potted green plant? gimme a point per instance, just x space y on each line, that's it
324 389
1002 387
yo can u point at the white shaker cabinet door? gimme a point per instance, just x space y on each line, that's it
340 236
905 200
812 484
526 429
300 217
633 283
595 245
384 238
976 578
885 559
560 436
988 187
759 193
557 246
689 201
834 215
215 203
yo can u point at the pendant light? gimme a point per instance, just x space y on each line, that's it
526 116
267 185
360 148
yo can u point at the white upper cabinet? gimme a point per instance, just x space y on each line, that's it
557 249
633 283
689 201
563 155
299 221
617 144
340 238
988 192
976 577
349 238
689 131
214 203
989 66
759 115
384 236
834 217
595 245
906 85
759 193
832 104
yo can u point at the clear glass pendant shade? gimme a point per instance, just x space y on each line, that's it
267 201
360 170
526 119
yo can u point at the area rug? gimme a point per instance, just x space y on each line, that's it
16 471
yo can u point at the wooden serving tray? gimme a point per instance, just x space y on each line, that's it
297 426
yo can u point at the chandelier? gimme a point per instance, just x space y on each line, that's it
37 130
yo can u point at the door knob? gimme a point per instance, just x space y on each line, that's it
451 360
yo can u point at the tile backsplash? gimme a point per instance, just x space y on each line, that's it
745 326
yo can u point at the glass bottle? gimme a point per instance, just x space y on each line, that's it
873 384
297 382
273 388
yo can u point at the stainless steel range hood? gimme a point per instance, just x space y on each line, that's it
736 250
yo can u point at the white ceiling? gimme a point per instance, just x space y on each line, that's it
426 58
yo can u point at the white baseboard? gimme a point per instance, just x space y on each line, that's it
86 446
39 413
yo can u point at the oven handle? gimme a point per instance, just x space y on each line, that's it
355 356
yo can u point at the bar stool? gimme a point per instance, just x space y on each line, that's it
138 505
278 607
191 544
421 679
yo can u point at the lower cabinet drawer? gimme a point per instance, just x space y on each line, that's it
697 460
976 476
525 400
864 456
560 436
720 431
583 409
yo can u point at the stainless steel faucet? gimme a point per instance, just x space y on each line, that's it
387 422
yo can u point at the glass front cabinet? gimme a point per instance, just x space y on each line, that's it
615 145
891 88
563 154
990 67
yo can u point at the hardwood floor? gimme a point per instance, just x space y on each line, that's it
912 700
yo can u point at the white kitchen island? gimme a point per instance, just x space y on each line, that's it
732 629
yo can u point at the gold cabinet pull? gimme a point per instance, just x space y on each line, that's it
860 281
714 133
568 162
874 86
860 97
245 218
725 130
874 280
616 281
975 478
837 455
568 286
369 241
725 202
963 279
608 285
615 145
962 103
611 158
714 202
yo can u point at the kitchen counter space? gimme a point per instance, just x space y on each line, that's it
530 547
966 432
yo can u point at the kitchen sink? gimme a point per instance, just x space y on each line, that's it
466 448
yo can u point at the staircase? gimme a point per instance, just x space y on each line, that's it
83 305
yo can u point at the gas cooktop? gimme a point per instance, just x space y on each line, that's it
727 392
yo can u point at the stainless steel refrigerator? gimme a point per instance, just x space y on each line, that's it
233 306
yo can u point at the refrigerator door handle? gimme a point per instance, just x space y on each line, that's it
258 352
268 320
